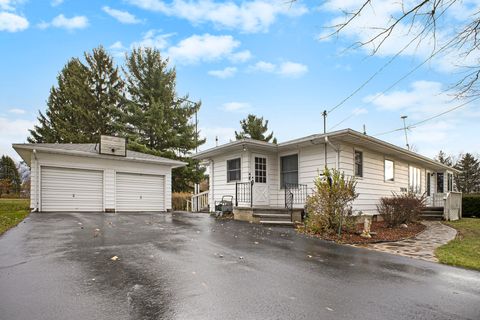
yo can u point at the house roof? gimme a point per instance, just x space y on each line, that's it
89 150
346 135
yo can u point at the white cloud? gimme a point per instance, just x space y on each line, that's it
17 111
204 47
55 3
60 21
237 107
13 131
359 111
286 69
8 5
248 16
121 16
211 132
153 39
118 50
228 72
12 22
292 69
403 39
241 56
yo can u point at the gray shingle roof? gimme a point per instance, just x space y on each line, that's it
92 149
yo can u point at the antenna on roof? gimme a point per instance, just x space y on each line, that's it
216 141
405 129
364 130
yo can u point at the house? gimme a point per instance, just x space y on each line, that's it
265 178
97 177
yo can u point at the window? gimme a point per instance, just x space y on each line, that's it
389 170
288 170
449 182
358 163
260 170
234 170
414 176
440 182
429 184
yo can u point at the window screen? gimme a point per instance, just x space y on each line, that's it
234 170
289 170
358 163
389 170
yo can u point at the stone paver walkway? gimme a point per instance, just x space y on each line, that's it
420 247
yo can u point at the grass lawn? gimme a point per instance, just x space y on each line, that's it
12 212
464 250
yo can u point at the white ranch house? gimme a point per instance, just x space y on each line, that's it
263 177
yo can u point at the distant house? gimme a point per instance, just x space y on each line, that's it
97 177
267 176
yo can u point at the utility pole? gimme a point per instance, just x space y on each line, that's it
405 130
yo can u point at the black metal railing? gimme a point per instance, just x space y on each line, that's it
289 203
299 192
244 193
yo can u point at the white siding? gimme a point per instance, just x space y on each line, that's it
110 167
372 186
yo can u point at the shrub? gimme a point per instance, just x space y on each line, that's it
328 208
179 200
471 205
403 208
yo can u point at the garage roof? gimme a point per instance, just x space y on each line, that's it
89 150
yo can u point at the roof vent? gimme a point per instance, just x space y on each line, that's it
115 146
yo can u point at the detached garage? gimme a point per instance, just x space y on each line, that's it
97 177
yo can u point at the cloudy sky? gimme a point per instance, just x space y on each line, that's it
267 57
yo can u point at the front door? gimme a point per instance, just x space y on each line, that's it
260 178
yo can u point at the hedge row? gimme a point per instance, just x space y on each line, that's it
471 205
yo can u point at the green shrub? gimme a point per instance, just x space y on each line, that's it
180 199
403 208
471 205
329 207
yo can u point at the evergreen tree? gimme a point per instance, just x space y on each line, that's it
10 181
87 102
254 127
443 158
468 180
158 121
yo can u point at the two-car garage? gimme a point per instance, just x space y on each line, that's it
78 178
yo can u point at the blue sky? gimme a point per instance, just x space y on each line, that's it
266 57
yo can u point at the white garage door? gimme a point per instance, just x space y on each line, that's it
140 192
65 189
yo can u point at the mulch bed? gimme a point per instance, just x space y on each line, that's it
383 234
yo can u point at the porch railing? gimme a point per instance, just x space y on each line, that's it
200 201
453 206
436 200
244 193
299 192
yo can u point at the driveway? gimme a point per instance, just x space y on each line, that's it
186 266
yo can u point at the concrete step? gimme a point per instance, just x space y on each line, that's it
427 216
433 209
286 223
273 216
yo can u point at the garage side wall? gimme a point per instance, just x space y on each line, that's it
109 168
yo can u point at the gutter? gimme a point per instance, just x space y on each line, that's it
37 181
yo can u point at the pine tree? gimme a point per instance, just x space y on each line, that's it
87 102
443 158
254 127
468 180
10 181
158 121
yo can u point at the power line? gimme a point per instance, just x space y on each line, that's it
419 123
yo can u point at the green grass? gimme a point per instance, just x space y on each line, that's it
464 250
12 212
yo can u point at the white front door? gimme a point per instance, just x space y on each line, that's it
260 179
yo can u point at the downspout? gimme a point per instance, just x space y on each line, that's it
337 155
211 185
37 184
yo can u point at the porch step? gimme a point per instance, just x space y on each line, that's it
432 213
272 216
286 223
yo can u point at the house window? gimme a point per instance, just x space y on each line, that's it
414 176
288 170
440 183
234 170
449 182
358 163
260 170
429 184
389 170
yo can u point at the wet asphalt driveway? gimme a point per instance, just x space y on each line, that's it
186 266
